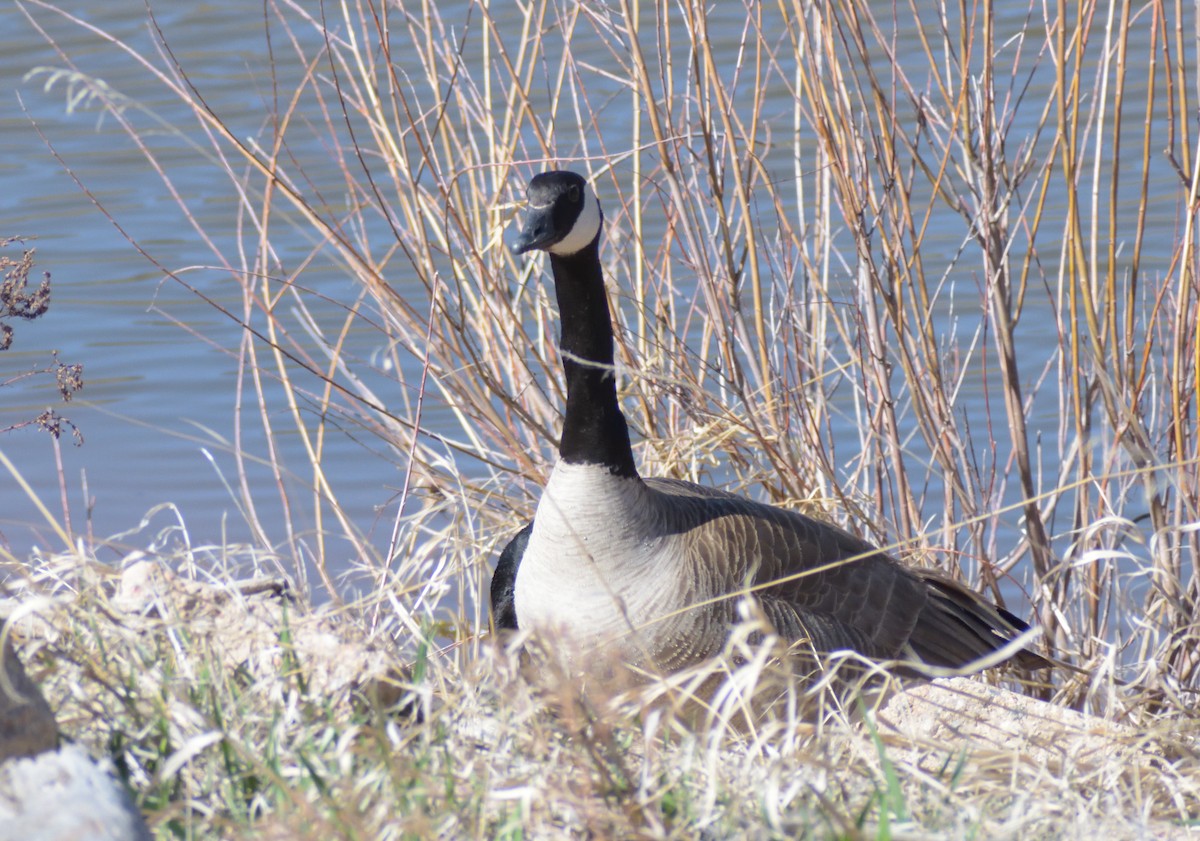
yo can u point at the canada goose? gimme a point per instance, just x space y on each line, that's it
613 559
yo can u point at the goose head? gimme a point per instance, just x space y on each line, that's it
563 215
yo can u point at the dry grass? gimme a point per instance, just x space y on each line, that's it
914 291
230 718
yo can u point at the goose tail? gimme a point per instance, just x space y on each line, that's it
956 628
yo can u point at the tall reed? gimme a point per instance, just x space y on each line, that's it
931 274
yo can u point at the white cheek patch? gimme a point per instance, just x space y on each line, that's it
585 228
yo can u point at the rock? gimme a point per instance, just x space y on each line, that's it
958 714
255 625
27 725
62 795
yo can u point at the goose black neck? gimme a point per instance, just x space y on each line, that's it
594 431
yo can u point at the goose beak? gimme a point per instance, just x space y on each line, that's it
538 231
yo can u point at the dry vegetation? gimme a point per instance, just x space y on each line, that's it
932 274
19 302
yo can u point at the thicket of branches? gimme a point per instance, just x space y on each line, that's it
931 275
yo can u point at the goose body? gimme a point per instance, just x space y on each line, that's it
647 568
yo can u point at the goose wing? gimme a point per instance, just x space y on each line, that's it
504 581
818 582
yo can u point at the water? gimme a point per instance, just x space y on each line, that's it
157 398
157 412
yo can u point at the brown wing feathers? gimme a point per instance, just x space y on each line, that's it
957 626
870 603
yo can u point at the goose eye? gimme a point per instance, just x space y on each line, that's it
573 193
